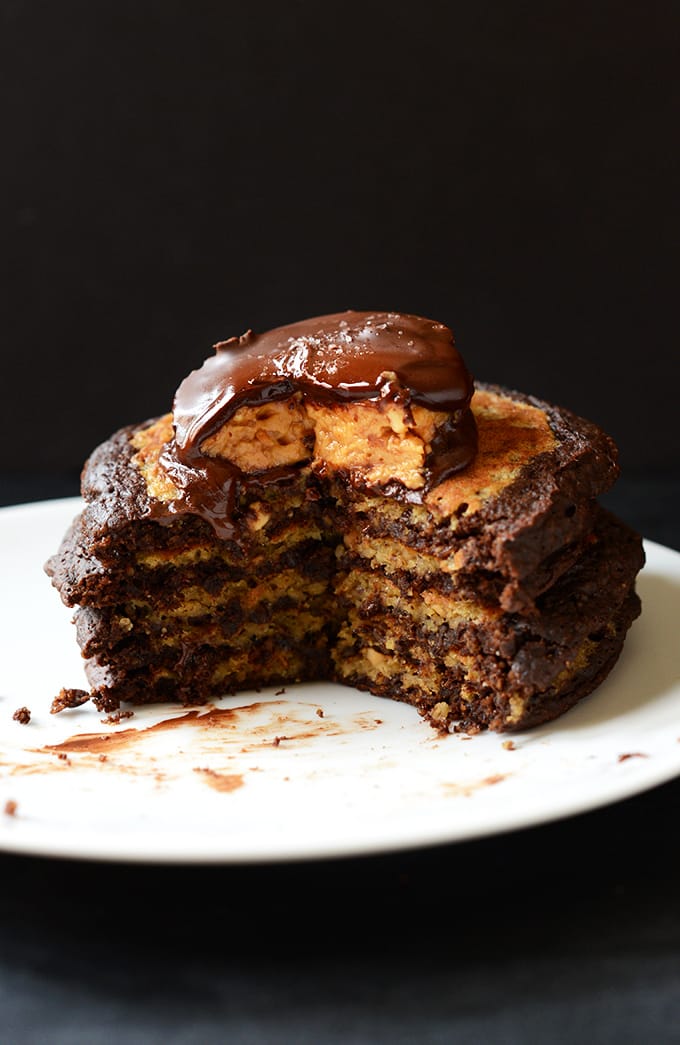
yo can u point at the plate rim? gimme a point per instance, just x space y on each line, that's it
94 847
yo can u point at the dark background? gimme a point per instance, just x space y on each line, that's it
174 173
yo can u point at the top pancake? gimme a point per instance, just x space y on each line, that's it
528 495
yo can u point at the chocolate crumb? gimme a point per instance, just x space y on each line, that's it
10 807
509 745
69 698
378 721
22 715
632 754
319 712
103 758
63 756
280 692
117 716
276 741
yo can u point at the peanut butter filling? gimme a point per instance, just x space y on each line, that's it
377 443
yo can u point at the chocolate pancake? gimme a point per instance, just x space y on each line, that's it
331 501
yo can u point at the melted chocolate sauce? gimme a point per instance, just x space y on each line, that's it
345 356
340 358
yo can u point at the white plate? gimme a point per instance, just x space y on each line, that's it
316 771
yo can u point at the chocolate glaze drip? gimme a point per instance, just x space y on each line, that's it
344 357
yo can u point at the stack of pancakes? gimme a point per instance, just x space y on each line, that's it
300 518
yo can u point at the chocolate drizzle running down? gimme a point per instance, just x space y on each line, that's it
341 358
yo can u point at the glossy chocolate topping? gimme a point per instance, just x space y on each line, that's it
344 357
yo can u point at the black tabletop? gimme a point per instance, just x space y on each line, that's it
567 932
